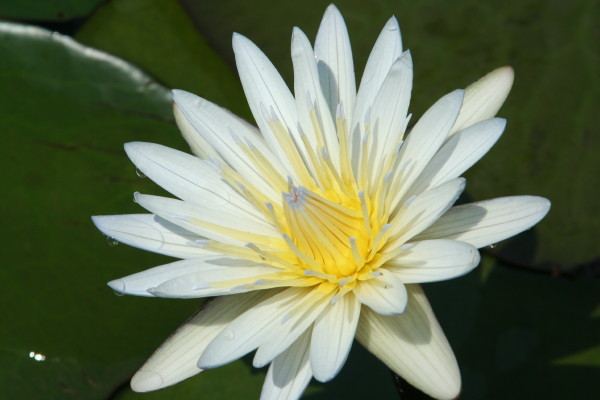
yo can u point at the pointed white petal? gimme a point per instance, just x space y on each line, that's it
309 95
413 346
289 373
434 260
215 279
252 328
266 90
176 359
390 107
217 222
385 294
227 135
334 62
332 337
459 153
423 211
387 49
138 284
487 222
198 144
484 97
188 177
151 233
425 139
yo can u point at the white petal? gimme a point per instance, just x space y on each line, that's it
425 139
138 284
265 90
188 177
413 346
250 329
459 153
149 232
487 222
332 337
198 144
390 107
217 222
297 321
434 260
289 373
385 294
484 97
334 62
226 134
176 359
215 279
309 95
387 49
422 211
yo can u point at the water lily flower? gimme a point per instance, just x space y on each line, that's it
318 227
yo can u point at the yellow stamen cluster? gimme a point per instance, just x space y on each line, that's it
331 231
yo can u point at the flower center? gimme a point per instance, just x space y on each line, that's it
332 235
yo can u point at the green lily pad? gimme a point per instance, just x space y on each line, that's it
549 148
67 109
55 10
158 37
509 327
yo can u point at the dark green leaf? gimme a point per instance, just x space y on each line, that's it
158 37
42 10
509 328
66 110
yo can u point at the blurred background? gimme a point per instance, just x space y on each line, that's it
524 325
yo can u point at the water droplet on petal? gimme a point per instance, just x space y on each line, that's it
229 335
491 246
391 28
140 173
120 294
112 242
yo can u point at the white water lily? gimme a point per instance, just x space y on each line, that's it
318 226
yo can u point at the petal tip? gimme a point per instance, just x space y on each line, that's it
238 40
452 391
118 285
179 94
506 72
324 377
392 24
545 206
103 223
98 221
130 146
331 11
498 82
145 381
297 33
